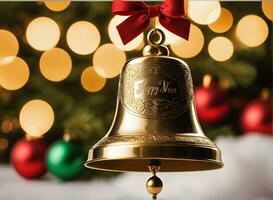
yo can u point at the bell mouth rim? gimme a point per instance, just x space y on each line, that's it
173 158
215 163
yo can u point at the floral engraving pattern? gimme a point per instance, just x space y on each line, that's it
156 139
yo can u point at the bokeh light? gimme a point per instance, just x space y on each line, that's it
57 6
189 48
141 46
115 38
55 64
108 60
14 73
36 117
207 80
91 81
267 6
43 33
204 12
6 126
223 23
220 49
83 37
8 44
3 144
252 30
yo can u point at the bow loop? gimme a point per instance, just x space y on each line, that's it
170 14
173 8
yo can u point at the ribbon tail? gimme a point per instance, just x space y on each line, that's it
178 26
132 27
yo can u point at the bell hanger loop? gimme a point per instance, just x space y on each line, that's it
156 40
156 37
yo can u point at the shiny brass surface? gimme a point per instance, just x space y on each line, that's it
154 185
151 50
156 37
155 120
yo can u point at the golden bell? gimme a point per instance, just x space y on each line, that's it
155 122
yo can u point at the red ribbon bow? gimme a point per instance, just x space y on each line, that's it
170 13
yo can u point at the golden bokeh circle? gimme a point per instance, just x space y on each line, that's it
43 33
252 30
83 37
6 126
55 64
14 73
141 46
221 49
267 6
223 23
57 6
108 60
204 12
3 144
9 45
115 38
91 81
36 117
192 47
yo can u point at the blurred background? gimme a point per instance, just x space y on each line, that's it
59 67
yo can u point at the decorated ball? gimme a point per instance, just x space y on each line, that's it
28 158
212 104
256 117
65 160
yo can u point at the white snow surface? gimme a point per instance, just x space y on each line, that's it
247 175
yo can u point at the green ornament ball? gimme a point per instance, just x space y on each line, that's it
65 160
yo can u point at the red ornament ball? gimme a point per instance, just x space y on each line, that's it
256 117
28 158
212 104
